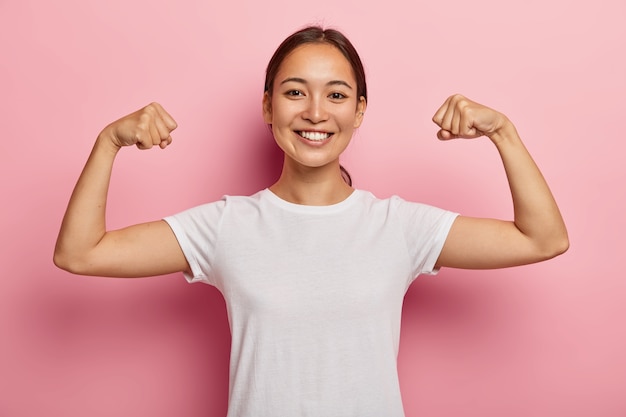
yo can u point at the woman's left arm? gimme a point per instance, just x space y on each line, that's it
537 231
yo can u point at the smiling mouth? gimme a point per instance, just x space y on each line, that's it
314 136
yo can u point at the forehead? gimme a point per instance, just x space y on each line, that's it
316 60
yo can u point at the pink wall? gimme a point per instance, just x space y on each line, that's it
542 340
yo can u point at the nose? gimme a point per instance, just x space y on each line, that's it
315 110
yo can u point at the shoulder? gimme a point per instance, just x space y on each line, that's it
216 209
411 216
400 205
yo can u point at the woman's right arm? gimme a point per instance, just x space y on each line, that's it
84 246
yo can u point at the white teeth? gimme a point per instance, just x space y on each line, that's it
315 136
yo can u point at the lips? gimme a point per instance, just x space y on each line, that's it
314 136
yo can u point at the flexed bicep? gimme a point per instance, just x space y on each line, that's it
481 243
537 230
141 250
84 244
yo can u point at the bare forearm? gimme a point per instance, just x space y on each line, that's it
84 245
84 222
537 231
536 213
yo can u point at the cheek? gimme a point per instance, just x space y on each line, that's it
280 132
281 112
347 118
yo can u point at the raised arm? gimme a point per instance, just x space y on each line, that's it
84 246
537 231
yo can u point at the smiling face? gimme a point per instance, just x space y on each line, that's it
313 107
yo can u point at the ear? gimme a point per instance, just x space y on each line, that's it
360 112
267 108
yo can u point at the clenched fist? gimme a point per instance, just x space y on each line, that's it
145 128
460 117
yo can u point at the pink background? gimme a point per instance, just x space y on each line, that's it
541 340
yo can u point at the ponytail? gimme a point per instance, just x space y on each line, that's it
345 175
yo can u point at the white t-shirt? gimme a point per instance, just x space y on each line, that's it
314 296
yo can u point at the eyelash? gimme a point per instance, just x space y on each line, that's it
333 96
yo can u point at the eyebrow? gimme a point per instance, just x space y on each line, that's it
303 81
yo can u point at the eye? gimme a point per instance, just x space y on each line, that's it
337 96
294 93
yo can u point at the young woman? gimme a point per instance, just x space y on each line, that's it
313 271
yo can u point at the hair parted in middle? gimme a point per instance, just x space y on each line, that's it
318 35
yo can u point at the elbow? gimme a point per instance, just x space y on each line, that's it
557 246
61 261
58 259
564 245
561 248
561 244
67 262
60 256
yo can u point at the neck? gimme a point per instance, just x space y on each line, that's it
319 186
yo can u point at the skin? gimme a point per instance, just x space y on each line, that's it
537 231
84 245
314 91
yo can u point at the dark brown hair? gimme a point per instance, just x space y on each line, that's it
317 34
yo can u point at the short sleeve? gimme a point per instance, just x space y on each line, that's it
197 231
425 229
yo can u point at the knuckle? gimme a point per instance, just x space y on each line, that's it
458 97
137 137
144 121
150 109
